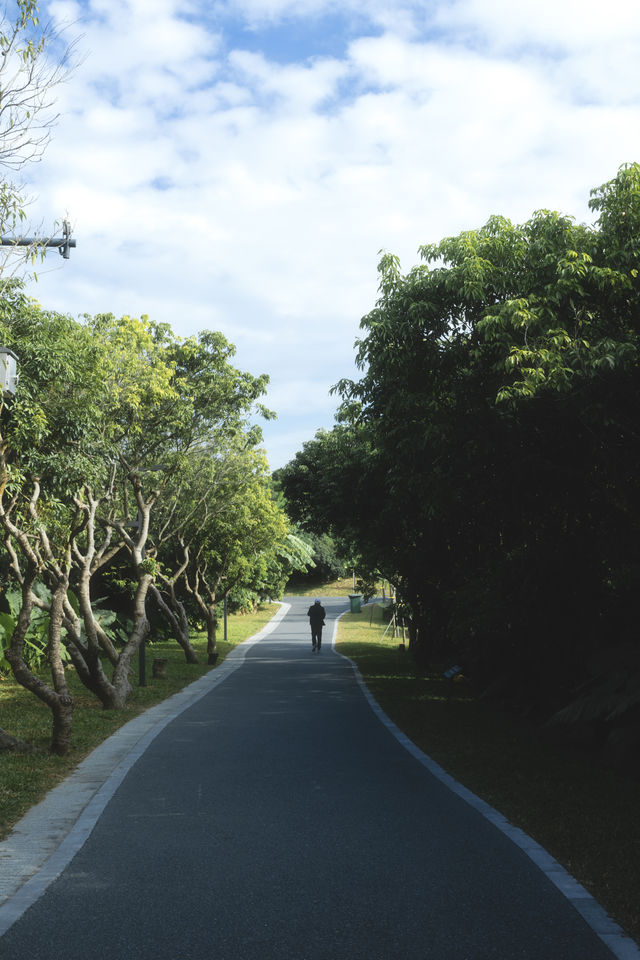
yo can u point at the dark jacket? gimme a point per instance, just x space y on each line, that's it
316 614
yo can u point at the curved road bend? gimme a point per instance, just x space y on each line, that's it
279 819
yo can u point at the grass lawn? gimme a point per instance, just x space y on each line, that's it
338 588
587 817
26 778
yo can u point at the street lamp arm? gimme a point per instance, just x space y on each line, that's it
63 243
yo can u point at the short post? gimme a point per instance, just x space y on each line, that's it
160 667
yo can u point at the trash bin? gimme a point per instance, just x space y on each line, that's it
356 602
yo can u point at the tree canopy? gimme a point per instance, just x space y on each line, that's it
125 450
487 459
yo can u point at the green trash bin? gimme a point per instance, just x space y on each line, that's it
356 602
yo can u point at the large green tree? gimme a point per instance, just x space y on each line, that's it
52 444
107 415
241 532
488 455
168 397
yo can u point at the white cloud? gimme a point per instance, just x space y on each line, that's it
303 87
212 186
559 24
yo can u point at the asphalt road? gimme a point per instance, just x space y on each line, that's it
278 819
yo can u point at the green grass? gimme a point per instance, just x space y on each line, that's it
586 816
337 588
26 778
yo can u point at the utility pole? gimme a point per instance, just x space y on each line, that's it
63 243
8 359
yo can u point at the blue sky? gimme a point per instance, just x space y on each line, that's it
294 38
239 165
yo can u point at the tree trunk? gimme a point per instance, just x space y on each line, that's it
114 693
208 610
122 669
177 617
190 654
212 631
419 631
62 705
58 698
87 658
62 710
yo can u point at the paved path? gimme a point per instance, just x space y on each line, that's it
276 818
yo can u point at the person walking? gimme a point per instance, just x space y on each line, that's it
316 614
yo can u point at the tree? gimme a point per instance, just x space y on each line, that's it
489 452
108 413
201 489
28 77
51 436
329 488
242 532
326 564
166 398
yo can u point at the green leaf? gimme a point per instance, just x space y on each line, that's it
7 625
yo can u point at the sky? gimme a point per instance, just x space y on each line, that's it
239 165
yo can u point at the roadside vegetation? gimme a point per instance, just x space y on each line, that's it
582 813
486 462
337 588
25 777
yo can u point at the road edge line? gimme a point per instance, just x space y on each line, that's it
621 945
